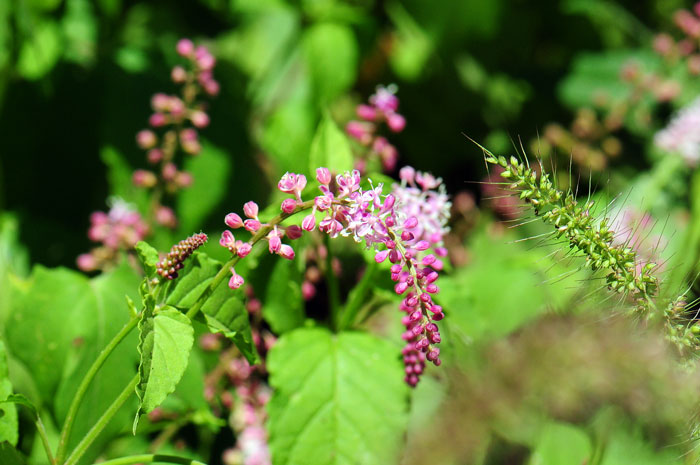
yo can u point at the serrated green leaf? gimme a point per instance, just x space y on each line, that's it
41 50
165 344
223 311
8 412
331 56
283 304
330 148
338 399
148 256
210 172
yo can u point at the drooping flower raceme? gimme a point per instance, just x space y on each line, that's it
682 135
405 226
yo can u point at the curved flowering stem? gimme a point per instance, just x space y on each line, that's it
151 458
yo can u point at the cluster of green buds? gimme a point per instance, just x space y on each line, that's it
583 231
682 330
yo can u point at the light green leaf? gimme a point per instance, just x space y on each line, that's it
165 344
223 311
331 56
413 45
338 399
561 444
148 256
8 411
40 51
80 30
330 148
287 134
210 171
283 304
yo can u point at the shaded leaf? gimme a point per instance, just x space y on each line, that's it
330 148
332 54
40 51
8 412
283 304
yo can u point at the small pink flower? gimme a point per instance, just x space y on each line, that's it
178 75
407 174
395 122
154 156
323 176
199 119
234 221
309 223
294 232
227 240
157 120
165 216
274 242
287 183
288 205
252 225
236 280
366 112
244 249
86 262
184 47
146 139
250 209
143 178
308 290
286 251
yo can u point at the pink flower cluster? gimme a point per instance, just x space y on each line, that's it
180 116
406 228
119 229
682 135
383 107
686 49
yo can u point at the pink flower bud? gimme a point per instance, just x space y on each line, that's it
428 260
288 205
407 174
396 268
432 288
433 355
410 223
309 223
441 252
199 119
422 245
143 178
301 183
154 156
250 209
169 171
234 221
395 122
308 290
178 75
323 176
211 87
274 242
146 139
183 179
236 281
227 240
244 249
160 102
362 132
184 47
400 288
165 216
287 183
294 232
389 202
86 262
286 251
204 59
432 277
379 257
252 225
406 236
366 112
157 120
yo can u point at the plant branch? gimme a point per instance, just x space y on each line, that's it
151 458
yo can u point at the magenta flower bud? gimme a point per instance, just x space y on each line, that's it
250 209
407 174
157 120
432 277
184 47
288 205
431 327
360 131
441 251
234 221
438 316
422 245
323 176
204 59
199 119
143 178
432 288
400 288
308 290
390 222
417 330
154 156
434 338
366 112
169 171
236 281
178 75
274 242
406 236
287 183
286 251
243 249
390 244
389 202
165 216
379 257
396 268
411 301
188 135
395 122
428 260
309 223
410 223
437 265
227 240
252 225
435 309
426 297
211 87
433 354
86 262
294 232
394 256
146 139
394 276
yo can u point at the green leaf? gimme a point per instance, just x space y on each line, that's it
287 135
210 172
8 411
223 312
561 444
330 148
9 455
338 399
331 56
40 51
165 344
119 178
148 256
283 304
80 30
413 45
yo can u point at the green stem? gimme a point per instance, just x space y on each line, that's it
333 286
102 422
151 458
44 439
85 383
358 296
